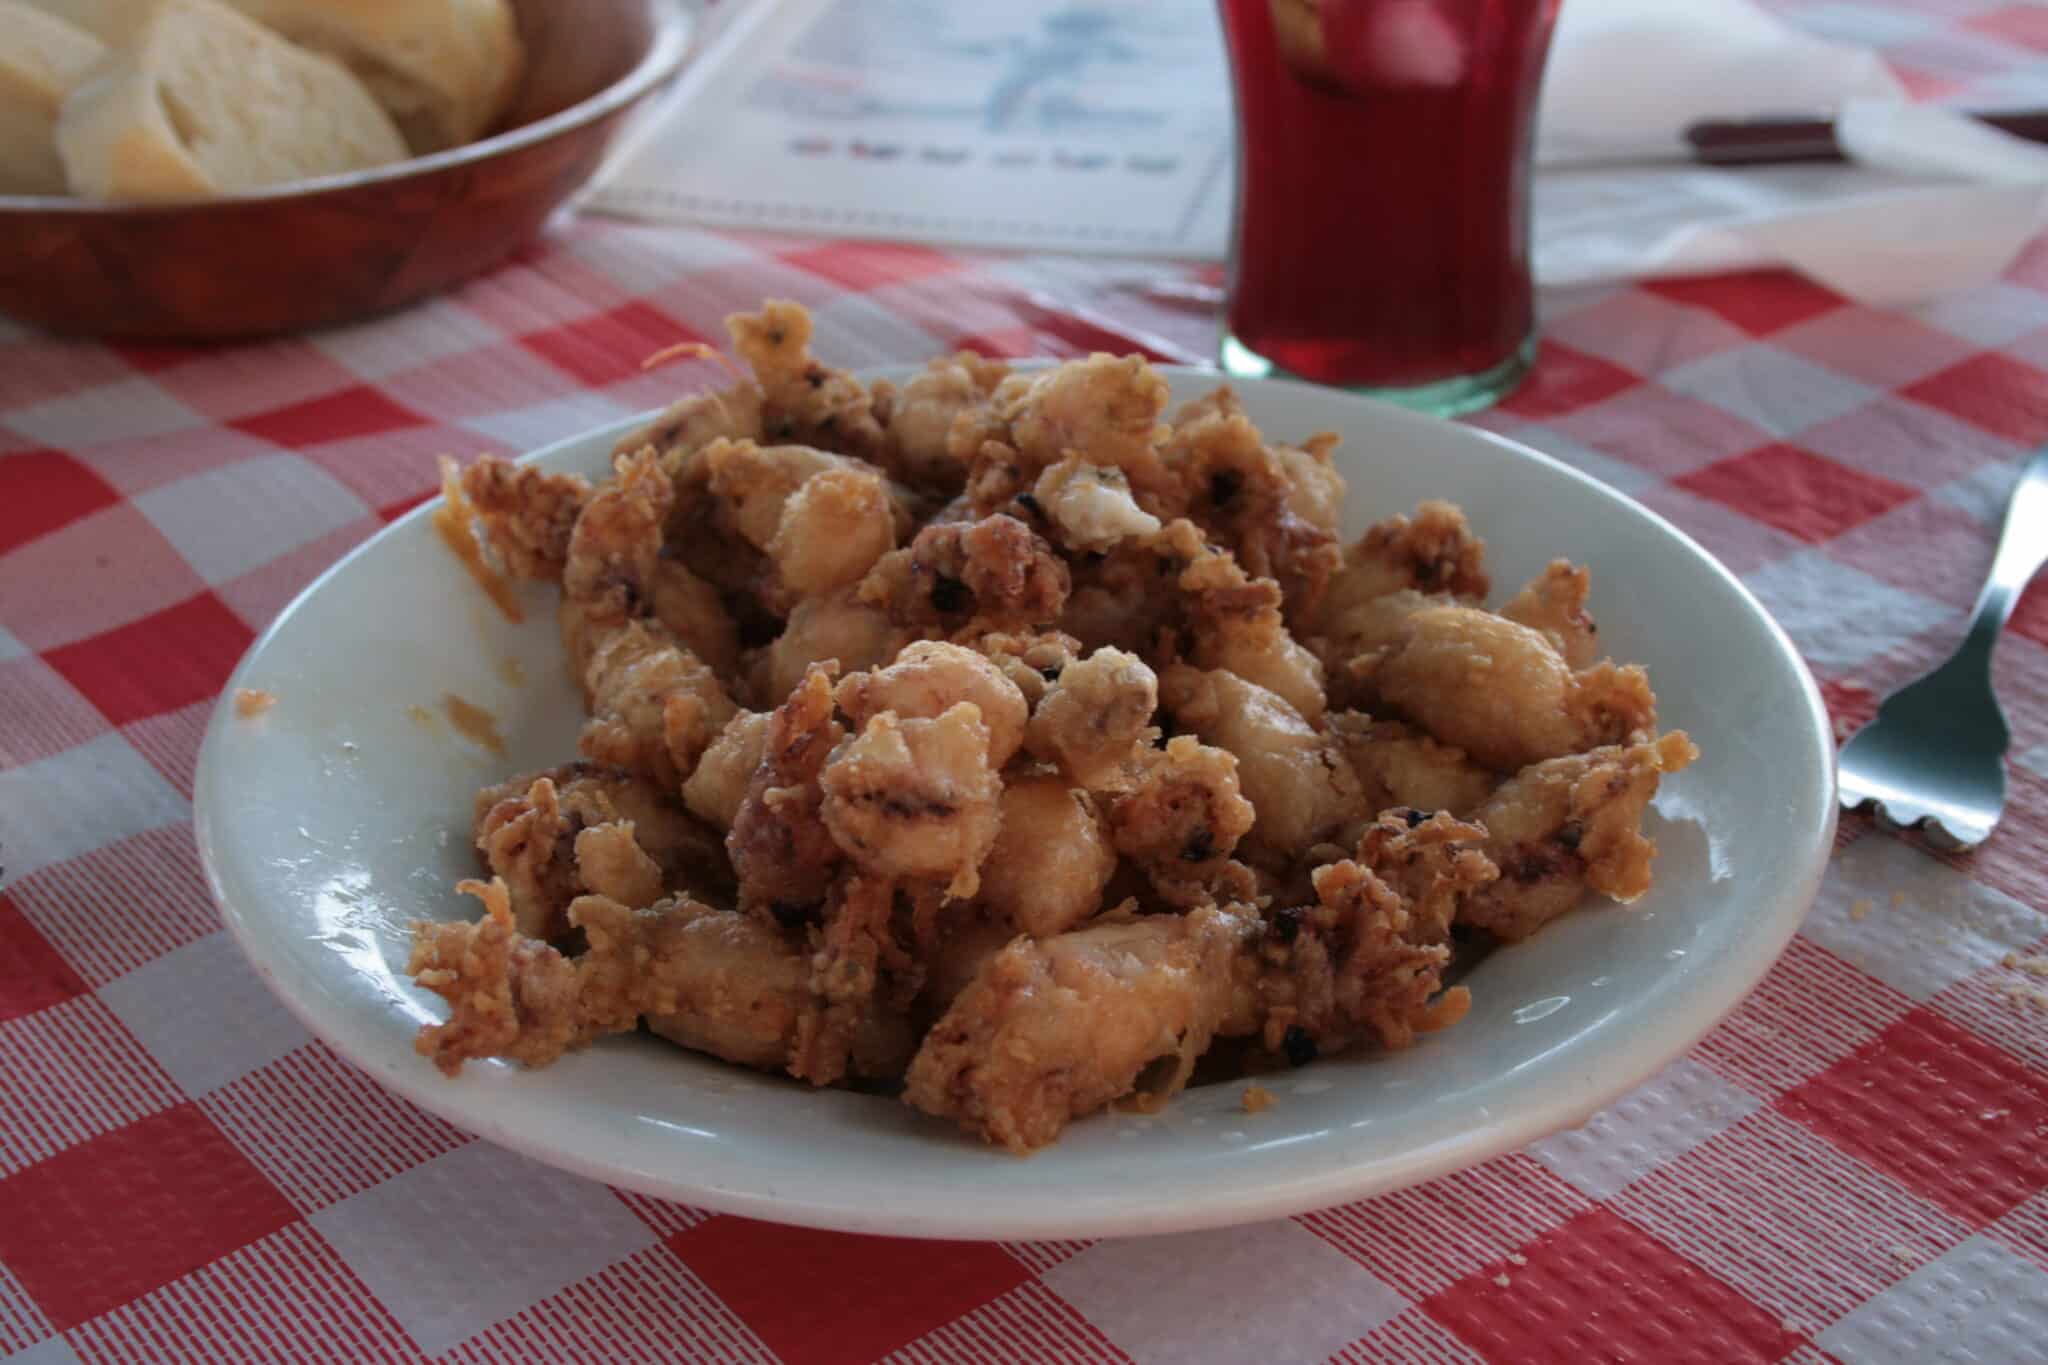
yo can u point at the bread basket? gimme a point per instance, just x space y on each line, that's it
321 252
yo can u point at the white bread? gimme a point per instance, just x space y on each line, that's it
113 22
204 101
443 69
41 59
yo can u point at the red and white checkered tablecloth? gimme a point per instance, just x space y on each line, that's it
1853 1167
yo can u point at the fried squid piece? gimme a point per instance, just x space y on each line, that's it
1052 858
581 828
1561 828
654 706
1352 969
1434 861
508 995
1274 508
1398 765
615 547
1434 551
1127 596
1295 776
864 980
1554 602
836 625
970 578
1363 962
710 979
718 786
1053 1029
965 944
1182 816
1031 662
1089 506
785 856
1397 567
1104 409
1501 692
752 482
1235 623
916 799
920 449
804 402
928 678
527 514
689 424
822 520
1095 720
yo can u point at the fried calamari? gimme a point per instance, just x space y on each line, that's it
999 738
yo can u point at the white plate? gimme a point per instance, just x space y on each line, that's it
333 821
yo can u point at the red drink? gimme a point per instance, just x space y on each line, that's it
1382 235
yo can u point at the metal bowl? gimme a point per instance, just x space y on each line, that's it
319 252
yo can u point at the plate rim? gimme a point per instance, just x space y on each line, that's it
1717 995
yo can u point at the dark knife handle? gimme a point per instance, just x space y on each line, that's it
1783 141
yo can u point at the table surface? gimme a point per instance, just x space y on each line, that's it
1850 1167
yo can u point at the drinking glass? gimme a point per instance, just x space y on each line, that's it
1382 228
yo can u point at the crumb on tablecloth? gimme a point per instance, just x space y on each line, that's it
251 702
1898 899
512 671
2032 965
1860 907
2028 996
1257 1099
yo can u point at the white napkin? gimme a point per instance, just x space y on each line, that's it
1934 202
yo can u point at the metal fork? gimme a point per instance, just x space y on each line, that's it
1934 756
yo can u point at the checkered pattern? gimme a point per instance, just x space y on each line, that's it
1850 1168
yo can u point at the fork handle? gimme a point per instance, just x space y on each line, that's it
2022 546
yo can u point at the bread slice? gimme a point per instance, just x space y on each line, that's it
205 101
443 69
113 22
41 59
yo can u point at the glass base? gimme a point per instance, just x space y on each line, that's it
1453 397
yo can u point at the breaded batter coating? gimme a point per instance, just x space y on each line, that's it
1052 857
1295 776
1554 602
531 833
718 786
1183 814
803 401
1501 692
1103 409
785 857
916 799
1399 765
990 736
1571 824
1274 509
528 514
1090 506
927 679
931 405
1054 1029
1095 720
970 578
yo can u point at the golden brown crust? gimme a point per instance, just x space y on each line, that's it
1073 741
